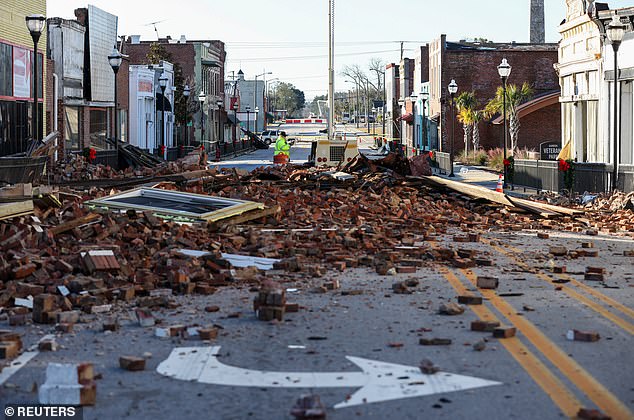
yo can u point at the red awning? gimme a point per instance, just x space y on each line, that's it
409 117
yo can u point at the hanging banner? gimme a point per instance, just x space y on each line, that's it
21 73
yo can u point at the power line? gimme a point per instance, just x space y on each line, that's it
310 57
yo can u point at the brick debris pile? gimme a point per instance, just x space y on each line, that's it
373 216
77 167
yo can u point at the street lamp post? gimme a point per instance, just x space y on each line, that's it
255 95
35 24
374 123
424 95
384 104
401 105
413 98
186 91
235 117
115 59
248 109
219 105
504 70
163 84
257 112
201 99
615 32
453 88
267 104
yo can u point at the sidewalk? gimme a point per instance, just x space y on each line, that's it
485 178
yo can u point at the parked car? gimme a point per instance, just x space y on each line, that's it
270 136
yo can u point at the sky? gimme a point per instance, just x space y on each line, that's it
289 38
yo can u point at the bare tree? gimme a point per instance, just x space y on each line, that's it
378 66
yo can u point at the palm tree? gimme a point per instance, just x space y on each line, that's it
515 96
465 105
477 117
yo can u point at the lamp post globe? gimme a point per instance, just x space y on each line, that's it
452 88
615 32
35 24
504 70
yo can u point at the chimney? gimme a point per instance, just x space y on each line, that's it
537 31
182 40
135 39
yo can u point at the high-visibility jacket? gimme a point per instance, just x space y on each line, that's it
282 146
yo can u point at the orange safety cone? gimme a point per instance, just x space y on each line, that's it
500 186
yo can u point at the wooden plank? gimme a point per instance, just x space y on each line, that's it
546 206
476 191
17 208
248 216
64 227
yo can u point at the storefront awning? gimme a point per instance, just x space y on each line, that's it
231 119
409 117
159 103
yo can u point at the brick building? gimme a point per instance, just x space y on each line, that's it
474 68
392 95
16 58
202 63
84 81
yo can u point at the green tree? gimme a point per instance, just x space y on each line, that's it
515 96
290 98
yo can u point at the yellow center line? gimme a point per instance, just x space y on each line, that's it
608 300
599 394
552 386
627 326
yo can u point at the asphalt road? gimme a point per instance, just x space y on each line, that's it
303 133
541 374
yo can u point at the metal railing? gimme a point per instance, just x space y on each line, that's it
544 175
444 162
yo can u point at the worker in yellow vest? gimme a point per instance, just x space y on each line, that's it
282 147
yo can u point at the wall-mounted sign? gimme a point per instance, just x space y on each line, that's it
21 73
549 150
145 86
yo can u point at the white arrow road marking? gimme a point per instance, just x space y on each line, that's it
379 381
21 361
16 365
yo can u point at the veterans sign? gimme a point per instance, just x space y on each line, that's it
549 150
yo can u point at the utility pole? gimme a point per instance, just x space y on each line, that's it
331 71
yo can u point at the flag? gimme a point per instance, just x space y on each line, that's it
566 152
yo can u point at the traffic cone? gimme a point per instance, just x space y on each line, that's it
500 186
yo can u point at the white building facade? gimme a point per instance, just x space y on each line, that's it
142 107
586 74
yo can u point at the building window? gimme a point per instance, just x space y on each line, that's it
99 128
71 128
6 70
123 117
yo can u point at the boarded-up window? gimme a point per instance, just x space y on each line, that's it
6 71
